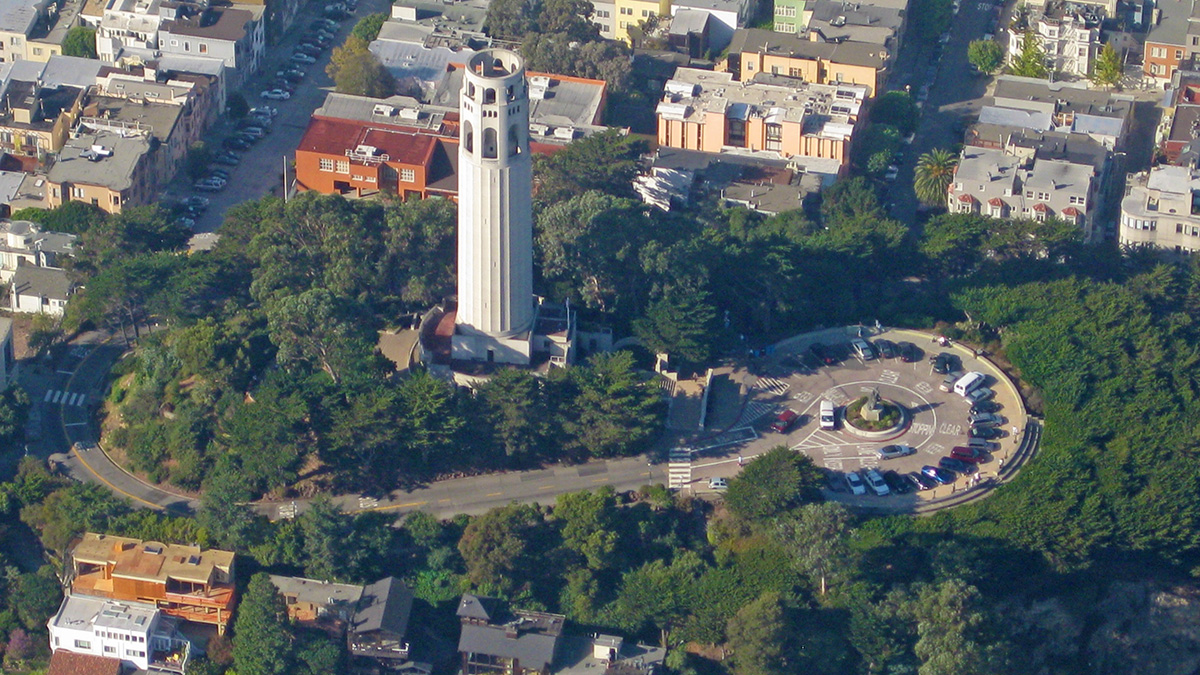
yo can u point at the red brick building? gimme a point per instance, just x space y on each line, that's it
363 158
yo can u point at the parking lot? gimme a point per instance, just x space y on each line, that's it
260 167
791 378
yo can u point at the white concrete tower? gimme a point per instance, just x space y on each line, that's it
495 211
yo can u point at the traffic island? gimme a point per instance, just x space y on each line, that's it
874 418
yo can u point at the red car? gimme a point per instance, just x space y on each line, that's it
785 420
972 455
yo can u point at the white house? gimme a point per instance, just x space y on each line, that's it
1069 34
136 633
23 243
37 290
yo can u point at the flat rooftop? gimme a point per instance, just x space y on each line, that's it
77 164
151 561
794 46
80 612
113 113
692 94
1028 93
19 16
317 592
555 101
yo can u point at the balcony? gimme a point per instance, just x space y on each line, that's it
173 660
380 649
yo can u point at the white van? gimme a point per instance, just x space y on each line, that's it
968 383
828 418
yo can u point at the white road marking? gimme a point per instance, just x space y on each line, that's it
889 377
773 385
804 396
57 395
48 395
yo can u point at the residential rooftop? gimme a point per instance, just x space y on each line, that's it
224 23
556 102
1029 93
822 108
794 46
735 6
127 116
152 561
44 282
1173 25
19 16
79 612
63 662
317 592
464 15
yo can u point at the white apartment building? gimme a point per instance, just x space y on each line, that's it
136 633
994 183
1068 33
23 243
130 24
1162 209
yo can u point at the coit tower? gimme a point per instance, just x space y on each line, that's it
495 214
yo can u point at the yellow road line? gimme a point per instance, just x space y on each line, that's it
392 507
546 487
114 487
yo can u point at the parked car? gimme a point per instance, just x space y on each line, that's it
940 475
226 159
325 24
253 132
856 484
986 433
291 75
920 481
863 349
208 186
876 482
980 394
897 483
184 221
892 173
283 85
968 454
945 363
196 202
896 451
910 353
301 57
236 143
784 421
307 48
985 420
957 466
886 348
219 173
985 407
265 111
821 353
717 483
250 139
276 94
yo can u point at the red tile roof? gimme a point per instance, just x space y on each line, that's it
63 662
334 137
996 201
1040 207
966 199
1071 211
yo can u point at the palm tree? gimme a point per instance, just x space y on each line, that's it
931 180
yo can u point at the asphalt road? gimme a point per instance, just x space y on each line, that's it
261 169
955 96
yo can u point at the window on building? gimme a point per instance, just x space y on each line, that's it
490 142
110 650
203 48
408 175
76 192
1178 54
174 43
782 27
774 134
37 51
627 11
343 166
624 25
602 13
795 72
1196 40
737 133
325 164
83 644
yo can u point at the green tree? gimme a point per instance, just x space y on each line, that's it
262 642
773 483
34 597
312 327
355 70
500 548
367 28
514 402
659 594
931 18
615 412
237 106
606 162
73 217
850 199
430 418
816 535
1108 70
80 41
986 55
14 408
897 109
933 175
1031 60
588 523
510 19
198 158
757 635
682 323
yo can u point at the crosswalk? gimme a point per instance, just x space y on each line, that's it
679 468
753 411
773 385
57 396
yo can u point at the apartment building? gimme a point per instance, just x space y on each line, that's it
707 111
755 51
131 24
19 19
136 633
1020 185
1161 208
1065 106
23 243
36 120
1173 38
630 13
724 18
107 169
181 581
234 35
1068 33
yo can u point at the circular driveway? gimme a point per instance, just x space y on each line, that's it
792 378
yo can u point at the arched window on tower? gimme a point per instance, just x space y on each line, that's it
514 142
468 137
489 143
510 94
489 96
471 90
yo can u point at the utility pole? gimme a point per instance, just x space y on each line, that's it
285 187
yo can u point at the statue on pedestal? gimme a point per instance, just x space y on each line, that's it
871 408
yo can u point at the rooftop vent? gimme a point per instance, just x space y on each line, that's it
383 110
366 150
